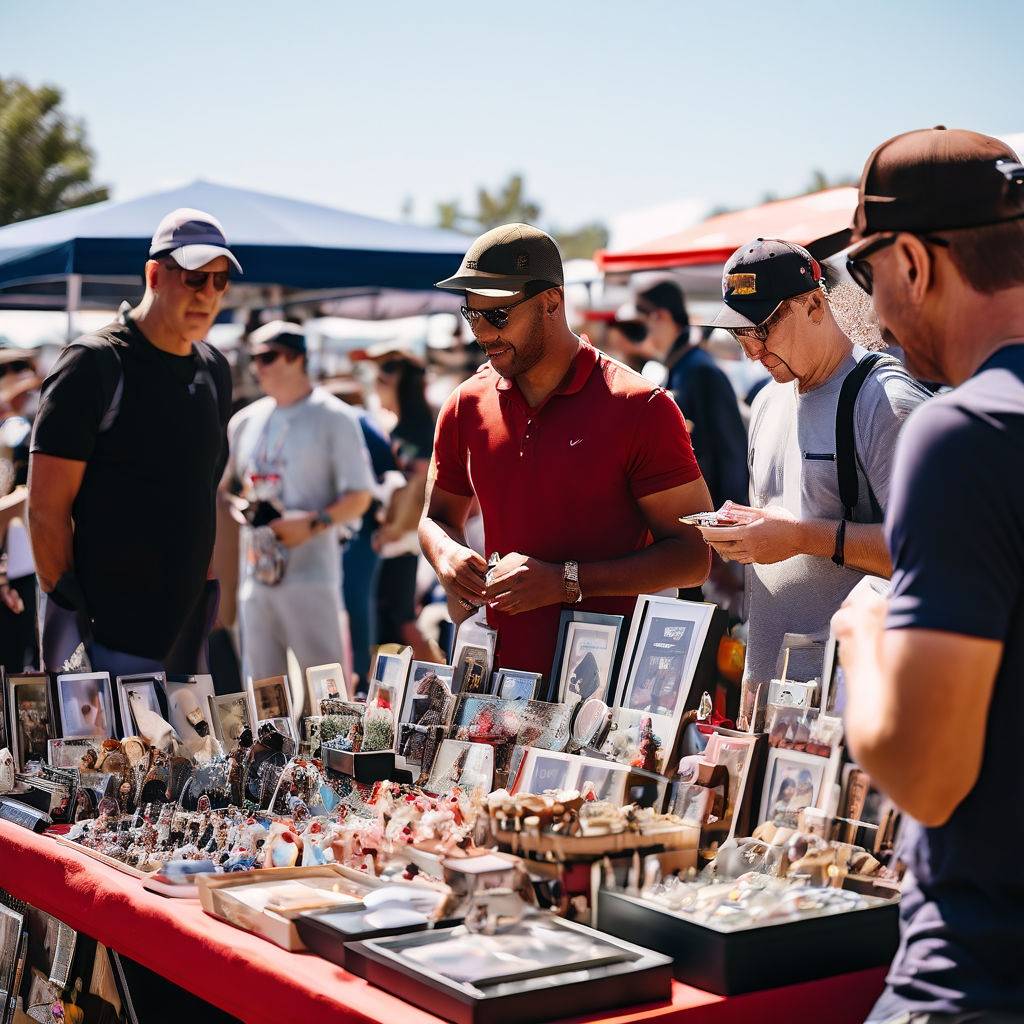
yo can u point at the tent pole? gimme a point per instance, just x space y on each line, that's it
74 298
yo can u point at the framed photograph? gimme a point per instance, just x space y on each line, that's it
84 754
30 721
469 766
141 689
85 703
506 724
188 708
794 780
608 780
392 669
231 714
427 691
514 684
475 632
736 753
472 670
586 656
325 682
541 770
272 698
641 740
11 925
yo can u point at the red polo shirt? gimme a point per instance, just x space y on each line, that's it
561 481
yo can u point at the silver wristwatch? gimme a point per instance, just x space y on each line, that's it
571 583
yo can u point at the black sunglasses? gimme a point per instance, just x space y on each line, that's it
196 279
266 358
860 270
18 366
497 317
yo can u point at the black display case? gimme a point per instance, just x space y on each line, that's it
325 932
748 960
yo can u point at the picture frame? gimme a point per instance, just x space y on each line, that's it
271 697
62 753
475 632
641 740
587 655
416 703
541 770
507 724
391 668
325 682
231 714
145 683
11 927
85 705
466 765
188 710
736 752
30 723
472 671
516 684
794 780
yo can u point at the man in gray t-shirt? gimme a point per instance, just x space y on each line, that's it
803 556
300 453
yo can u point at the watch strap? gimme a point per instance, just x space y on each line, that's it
839 555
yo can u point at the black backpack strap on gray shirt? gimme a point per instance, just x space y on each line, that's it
846 446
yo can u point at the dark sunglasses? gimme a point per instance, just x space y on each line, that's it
860 270
266 358
762 330
19 366
196 279
497 317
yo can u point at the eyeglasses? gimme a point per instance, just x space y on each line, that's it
18 366
266 358
860 270
497 317
762 330
196 279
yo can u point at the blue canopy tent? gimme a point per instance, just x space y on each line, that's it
92 257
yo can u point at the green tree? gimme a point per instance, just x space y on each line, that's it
582 243
45 161
507 204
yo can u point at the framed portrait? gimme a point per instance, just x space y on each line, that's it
586 656
30 719
608 780
794 780
140 689
85 703
540 770
469 766
428 691
188 708
272 698
514 684
640 740
83 753
472 670
231 714
325 682
735 751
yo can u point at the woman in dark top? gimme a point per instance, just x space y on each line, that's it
402 387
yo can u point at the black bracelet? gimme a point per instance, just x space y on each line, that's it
838 555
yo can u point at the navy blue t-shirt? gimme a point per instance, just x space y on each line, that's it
955 526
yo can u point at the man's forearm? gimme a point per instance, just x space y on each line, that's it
52 537
863 546
435 535
350 506
672 562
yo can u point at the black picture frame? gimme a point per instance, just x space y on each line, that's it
568 618
11 681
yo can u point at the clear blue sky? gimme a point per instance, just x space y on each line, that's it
605 107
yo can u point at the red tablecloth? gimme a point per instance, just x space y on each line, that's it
257 982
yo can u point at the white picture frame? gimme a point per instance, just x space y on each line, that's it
188 708
723 749
86 706
230 714
793 780
458 763
516 684
392 669
271 697
143 682
324 682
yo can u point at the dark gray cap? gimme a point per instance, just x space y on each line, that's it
192 239
505 260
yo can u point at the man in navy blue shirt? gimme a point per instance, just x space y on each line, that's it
701 390
935 675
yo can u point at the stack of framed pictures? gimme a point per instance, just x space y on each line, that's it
587 653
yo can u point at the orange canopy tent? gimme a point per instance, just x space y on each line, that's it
811 218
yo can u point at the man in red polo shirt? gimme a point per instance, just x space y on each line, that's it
582 468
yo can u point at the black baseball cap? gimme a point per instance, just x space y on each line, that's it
759 277
507 260
192 239
278 334
938 179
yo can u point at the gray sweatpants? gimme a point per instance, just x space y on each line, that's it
305 617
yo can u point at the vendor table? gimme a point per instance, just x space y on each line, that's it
259 983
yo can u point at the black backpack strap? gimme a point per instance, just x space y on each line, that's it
217 368
846 448
107 360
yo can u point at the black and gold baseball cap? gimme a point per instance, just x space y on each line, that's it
507 260
759 277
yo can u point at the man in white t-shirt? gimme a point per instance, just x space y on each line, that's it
299 458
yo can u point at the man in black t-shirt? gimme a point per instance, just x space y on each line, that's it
935 676
127 450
